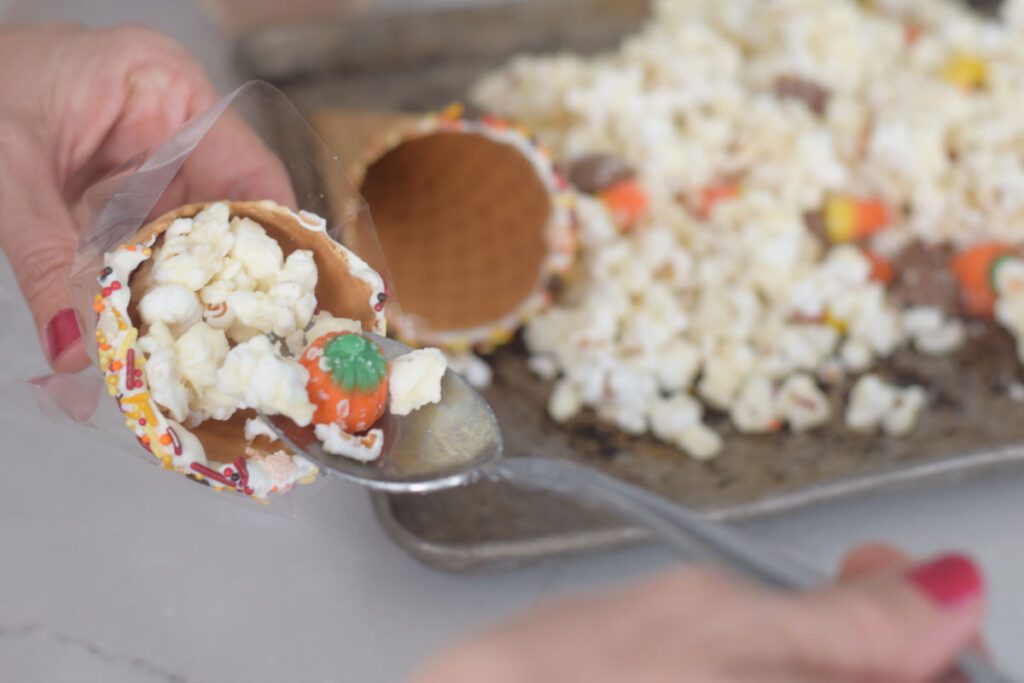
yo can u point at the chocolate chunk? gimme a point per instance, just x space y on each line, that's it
814 96
596 172
924 278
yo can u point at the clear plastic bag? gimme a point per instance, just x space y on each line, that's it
281 159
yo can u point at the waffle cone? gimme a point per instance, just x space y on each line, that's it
463 217
338 291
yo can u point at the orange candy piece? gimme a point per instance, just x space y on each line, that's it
881 269
973 268
626 201
362 402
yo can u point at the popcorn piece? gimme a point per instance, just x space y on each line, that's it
677 365
254 427
909 404
802 404
723 375
671 417
172 304
364 448
754 411
700 442
931 332
870 400
855 355
325 323
259 253
255 376
416 380
200 351
542 365
193 248
565 402
874 404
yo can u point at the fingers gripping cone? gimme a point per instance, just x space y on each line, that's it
472 216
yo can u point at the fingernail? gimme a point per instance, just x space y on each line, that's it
950 580
61 333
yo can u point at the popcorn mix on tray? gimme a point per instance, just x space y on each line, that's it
776 195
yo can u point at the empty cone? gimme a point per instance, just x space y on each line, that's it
472 216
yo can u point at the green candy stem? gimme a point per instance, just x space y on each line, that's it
356 364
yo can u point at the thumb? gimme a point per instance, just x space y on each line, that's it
898 626
40 240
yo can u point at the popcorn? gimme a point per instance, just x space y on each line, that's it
256 377
775 144
200 351
365 448
755 411
875 404
671 417
172 304
260 254
700 441
932 333
802 404
415 380
254 427
565 402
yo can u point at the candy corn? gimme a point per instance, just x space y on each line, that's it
348 380
966 71
975 269
848 219
626 201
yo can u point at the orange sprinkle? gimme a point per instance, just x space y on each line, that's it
165 439
626 201
713 194
973 268
115 365
104 347
145 439
913 33
98 306
881 269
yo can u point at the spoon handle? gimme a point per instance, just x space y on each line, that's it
688 532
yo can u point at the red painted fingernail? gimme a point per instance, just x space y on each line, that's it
61 333
950 580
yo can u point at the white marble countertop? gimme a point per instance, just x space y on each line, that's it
112 570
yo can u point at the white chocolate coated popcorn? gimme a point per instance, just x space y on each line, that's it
415 380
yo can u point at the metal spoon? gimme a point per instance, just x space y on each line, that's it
458 441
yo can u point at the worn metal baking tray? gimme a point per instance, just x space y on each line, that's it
972 423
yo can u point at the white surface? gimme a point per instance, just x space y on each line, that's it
112 570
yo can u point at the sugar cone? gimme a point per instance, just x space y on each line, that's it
472 217
340 290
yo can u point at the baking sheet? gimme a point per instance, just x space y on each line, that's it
971 425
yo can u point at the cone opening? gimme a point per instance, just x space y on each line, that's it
337 291
462 221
